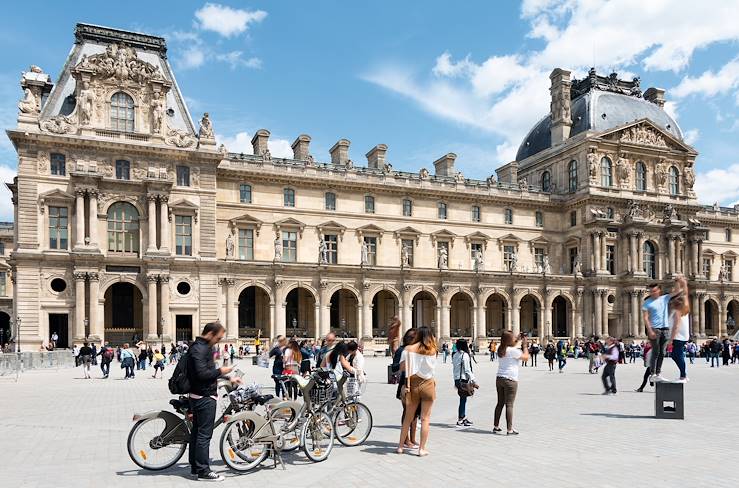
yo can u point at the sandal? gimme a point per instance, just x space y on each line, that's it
496 430
513 432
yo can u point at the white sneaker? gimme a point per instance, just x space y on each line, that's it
658 378
681 380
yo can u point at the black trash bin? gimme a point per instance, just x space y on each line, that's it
669 400
254 360
392 378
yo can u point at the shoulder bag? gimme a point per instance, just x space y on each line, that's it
466 388
406 387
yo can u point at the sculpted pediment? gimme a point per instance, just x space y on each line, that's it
644 133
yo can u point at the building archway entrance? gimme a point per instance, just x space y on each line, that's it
461 309
560 313
731 316
344 314
495 315
254 312
424 310
711 317
124 314
5 332
384 308
300 307
530 315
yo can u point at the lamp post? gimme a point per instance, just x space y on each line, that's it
87 326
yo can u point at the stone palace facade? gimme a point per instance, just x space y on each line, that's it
131 222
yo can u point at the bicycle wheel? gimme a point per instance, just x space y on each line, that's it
290 437
317 437
152 449
239 450
353 424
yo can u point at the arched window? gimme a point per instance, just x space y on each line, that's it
546 181
123 228
674 179
641 176
572 173
650 260
606 172
121 112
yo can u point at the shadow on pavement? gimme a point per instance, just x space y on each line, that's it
619 416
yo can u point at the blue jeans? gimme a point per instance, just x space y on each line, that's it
714 356
659 348
142 364
562 361
462 410
678 355
204 415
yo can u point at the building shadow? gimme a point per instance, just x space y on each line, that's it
619 416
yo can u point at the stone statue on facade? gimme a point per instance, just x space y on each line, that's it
364 258
723 273
278 250
577 265
546 267
623 170
592 164
689 176
478 261
523 185
405 257
322 252
514 262
229 245
670 213
157 112
634 210
443 258
28 104
491 180
206 127
85 101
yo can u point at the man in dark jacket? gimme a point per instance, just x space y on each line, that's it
203 377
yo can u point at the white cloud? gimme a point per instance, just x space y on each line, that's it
6 205
241 143
236 59
506 94
225 20
192 57
710 83
691 136
719 185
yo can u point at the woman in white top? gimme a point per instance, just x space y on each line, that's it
510 353
462 370
680 333
419 362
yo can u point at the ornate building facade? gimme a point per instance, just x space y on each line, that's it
132 223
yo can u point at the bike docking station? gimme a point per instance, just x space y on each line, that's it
669 400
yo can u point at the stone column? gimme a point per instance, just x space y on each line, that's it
406 312
323 326
366 314
596 252
603 251
634 323
96 326
481 323
272 309
151 332
516 320
699 258
167 326
79 305
232 315
598 306
442 321
604 326
93 223
578 306
279 326
164 218
694 315
671 255
545 330
640 253
316 320
723 307
633 254
702 314
152 223
509 319
79 218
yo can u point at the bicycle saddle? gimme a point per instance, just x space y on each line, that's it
179 404
262 399
281 377
302 382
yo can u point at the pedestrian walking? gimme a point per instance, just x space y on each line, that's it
535 348
512 350
94 348
127 361
419 362
85 354
647 368
549 354
106 357
203 375
76 354
445 351
656 318
408 338
680 333
292 358
143 356
393 334
561 355
158 362
278 365
610 358
464 380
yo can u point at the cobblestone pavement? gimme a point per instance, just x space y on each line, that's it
57 429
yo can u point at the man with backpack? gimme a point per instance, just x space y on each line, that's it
201 381
106 357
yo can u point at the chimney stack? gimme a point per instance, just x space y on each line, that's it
376 156
259 141
300 147
560 106
656 96
444 166
340 152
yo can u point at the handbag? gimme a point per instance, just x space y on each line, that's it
466 388
405 388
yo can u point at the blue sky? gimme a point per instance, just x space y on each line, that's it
423 77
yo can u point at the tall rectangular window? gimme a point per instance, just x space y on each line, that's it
508 216
58 164
330 201
2 249
539 218
474 248
611 259
407 207
183 176
573 257
728 235
58 227
573 218
442 210
3 283
288 197
476 216
122 169
246 244
371 250
245 193
707 267
539 258
407 245
332 247
183 234
508 253
729 263
289 246
369 204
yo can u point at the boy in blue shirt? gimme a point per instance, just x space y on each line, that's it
656 318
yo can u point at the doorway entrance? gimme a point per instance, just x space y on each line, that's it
183 328
59 323
124 314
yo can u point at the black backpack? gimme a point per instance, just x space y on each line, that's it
179 383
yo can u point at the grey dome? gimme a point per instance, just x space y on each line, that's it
587 114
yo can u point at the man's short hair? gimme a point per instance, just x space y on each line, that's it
654 285
214 327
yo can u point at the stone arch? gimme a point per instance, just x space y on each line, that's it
561 319
297 284
263 286
461 309
344 310
385 304
497 306
125 279
424 303
300 309
529 314
418 289
465 291
388 288
254 310
123 312
711 311
732 315
132 199
345 286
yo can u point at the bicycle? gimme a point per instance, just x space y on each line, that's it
348 414
158 439
249 438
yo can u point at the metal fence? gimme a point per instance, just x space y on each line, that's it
13 363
